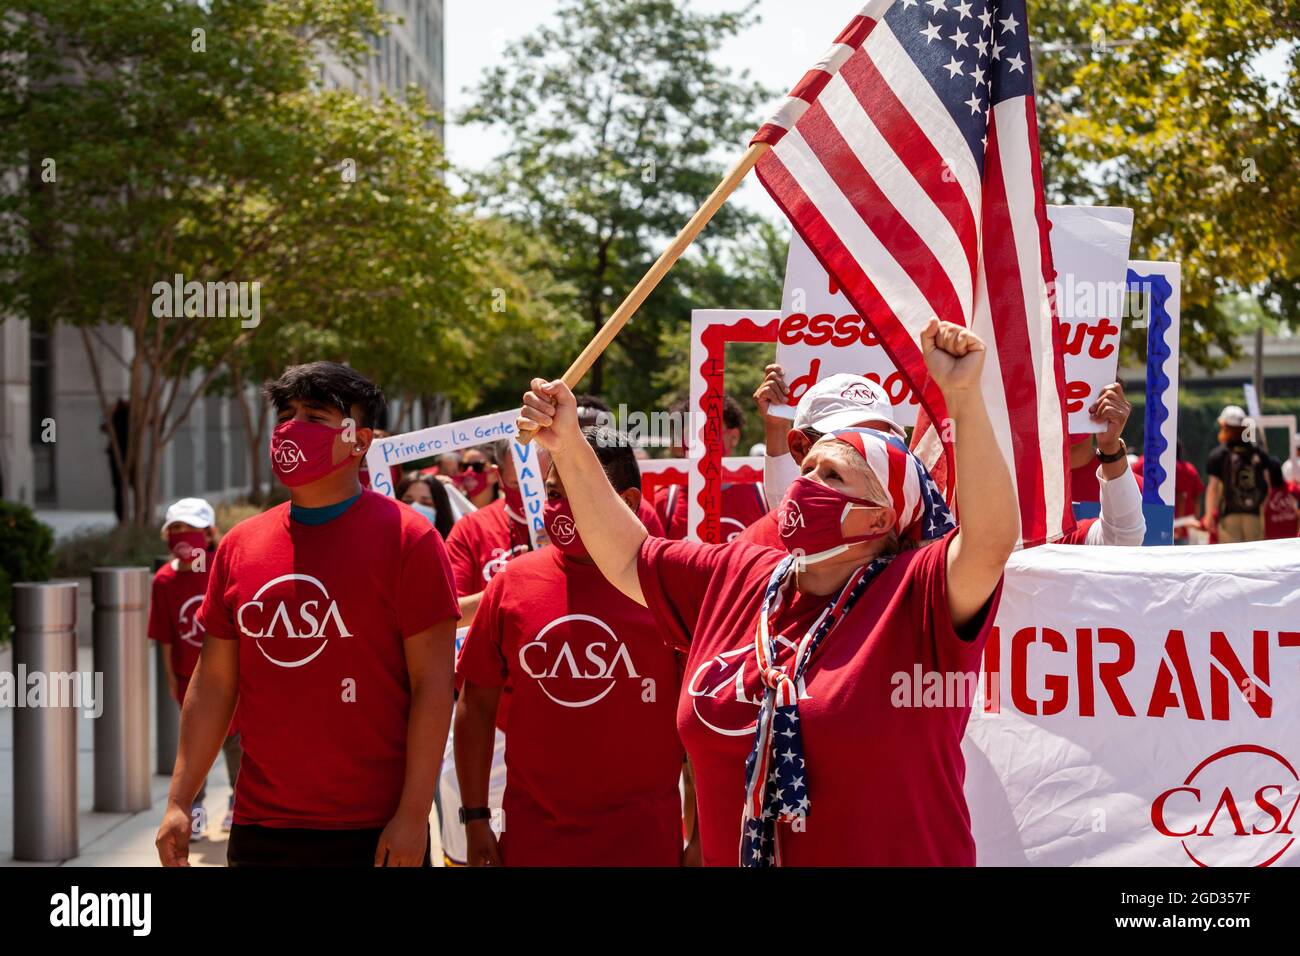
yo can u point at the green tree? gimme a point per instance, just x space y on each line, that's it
619 121
165 138
1166 106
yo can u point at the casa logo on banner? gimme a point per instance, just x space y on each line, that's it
293 618
577 660
1237 807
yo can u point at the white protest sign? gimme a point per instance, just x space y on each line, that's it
821 333
1090 246
1252 400
1140 707
440 439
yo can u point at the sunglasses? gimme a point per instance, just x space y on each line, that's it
475 466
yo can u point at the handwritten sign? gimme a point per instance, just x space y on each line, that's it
821 334
441 439
1090 246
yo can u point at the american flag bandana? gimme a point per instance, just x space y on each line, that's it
776 774
919 506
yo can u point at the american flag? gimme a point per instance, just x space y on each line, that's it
907 159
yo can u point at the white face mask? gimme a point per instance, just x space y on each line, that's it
426 511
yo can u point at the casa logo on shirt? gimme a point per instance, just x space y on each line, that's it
791 519
1236 808
859 393
563 529
187 624
288 455
577 660
725 692
293 618
500 557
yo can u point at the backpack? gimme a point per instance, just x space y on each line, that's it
1246 486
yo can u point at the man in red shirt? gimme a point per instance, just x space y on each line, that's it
482 542
331 620
592 757
837 401
190 528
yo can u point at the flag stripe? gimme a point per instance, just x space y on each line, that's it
915 151
1002 267
896 235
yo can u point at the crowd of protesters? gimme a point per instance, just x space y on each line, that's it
622 695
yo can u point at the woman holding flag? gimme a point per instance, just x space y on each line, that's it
804 751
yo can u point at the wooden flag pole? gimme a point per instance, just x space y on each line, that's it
607 332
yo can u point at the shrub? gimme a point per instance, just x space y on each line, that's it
26 554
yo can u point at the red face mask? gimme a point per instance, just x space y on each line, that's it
561 530
811 519
301 452
186 545
514 500
472 482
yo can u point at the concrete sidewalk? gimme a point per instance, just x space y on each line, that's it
119 839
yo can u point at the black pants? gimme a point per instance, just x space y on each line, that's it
283 846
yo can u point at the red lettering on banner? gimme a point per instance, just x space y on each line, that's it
1073 335
1075 394
1073 675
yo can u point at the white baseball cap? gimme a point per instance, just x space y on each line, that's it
195 512
843 401
1234 416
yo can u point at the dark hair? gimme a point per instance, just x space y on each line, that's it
329 383
1275 479
614 452
443 519
732 416
591 409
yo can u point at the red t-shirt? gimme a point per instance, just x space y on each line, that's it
765 532
1084 484
173 618
321 612
885 781
481 543
1080 533
742 505
1280 519
592 755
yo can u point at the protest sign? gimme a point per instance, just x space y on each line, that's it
821 334
711 330
1139 707
1159 287
440 439
1090 246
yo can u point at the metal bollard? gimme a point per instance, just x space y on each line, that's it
167 716
45 738
121 600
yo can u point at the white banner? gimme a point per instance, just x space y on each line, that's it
453 436
822 335
1141 707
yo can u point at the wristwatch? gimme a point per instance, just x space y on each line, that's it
469 814
1108 459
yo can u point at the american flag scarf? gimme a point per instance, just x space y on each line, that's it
776 774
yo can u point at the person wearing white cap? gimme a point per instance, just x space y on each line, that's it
836 402
1238 481
190 529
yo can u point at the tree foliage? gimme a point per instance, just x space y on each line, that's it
618 122
1187 111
